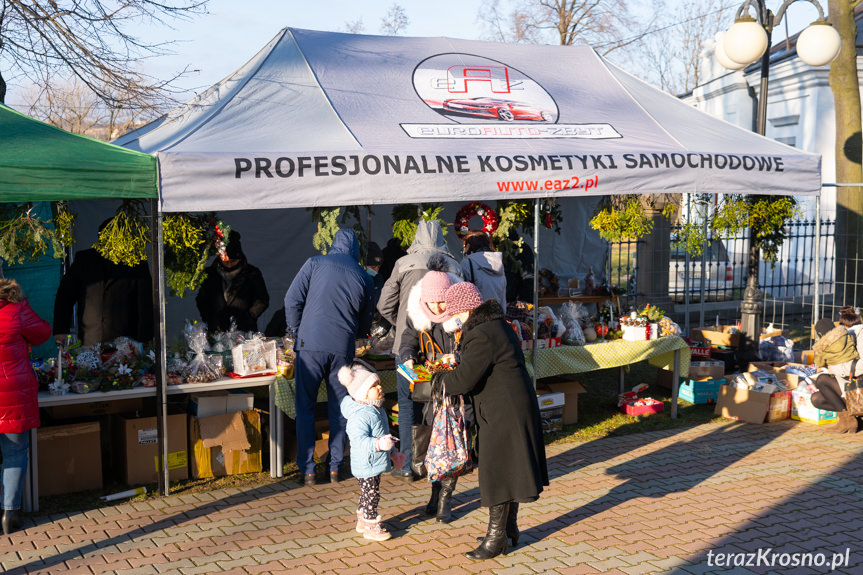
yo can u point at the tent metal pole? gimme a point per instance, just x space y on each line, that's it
535 282
158 275
816 292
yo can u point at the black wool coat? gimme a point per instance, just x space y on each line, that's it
512 464
246 299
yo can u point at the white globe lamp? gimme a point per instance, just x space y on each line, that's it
745 41
818 44
722 57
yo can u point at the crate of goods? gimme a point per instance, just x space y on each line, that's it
706 368
721 336
700 391
755 397
644 406
803 410
551 411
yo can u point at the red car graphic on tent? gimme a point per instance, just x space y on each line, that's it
506 110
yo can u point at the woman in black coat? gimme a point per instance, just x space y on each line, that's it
512 466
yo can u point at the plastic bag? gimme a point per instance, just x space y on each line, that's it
776 348
199 368
573 333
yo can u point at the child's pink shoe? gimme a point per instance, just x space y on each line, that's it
372 529
360 527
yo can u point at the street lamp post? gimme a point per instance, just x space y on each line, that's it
746 41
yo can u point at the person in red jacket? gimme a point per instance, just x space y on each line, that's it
20 328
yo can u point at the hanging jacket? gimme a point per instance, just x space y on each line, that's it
20 327
113 300
408 270
485 271
329 303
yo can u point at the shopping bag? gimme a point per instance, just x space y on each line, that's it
448 452
854 396
420 436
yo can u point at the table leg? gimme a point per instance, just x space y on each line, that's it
675 383
622 372
31 478
280 439
272 427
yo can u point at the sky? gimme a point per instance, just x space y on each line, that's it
220 42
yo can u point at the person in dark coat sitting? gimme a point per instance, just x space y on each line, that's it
512 465
234 289
113 300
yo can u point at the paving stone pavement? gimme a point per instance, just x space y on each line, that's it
782 498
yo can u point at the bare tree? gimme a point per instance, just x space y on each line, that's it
355 27
88 40
75 108
603 24
395 21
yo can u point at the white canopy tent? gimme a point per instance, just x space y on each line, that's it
331 119
325 119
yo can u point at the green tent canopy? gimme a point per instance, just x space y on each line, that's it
39 162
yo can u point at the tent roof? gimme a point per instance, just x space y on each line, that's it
325 119
39 162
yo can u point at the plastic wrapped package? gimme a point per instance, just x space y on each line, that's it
776 348
199 368
573 331
254 355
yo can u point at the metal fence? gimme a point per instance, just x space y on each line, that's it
709 288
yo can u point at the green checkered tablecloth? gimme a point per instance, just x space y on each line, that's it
549 362
582 358
285 391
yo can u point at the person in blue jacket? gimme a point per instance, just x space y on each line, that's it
371 443
327 306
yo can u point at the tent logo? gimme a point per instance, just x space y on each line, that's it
484 98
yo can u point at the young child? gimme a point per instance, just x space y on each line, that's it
371 442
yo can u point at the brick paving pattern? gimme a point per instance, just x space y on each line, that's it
718 498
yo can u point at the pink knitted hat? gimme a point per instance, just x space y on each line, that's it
433 288
462 296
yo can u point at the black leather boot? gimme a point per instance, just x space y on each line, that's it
512 524
495 538
444 505
11 520
431 507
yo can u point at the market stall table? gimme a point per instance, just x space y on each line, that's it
664 353
276 435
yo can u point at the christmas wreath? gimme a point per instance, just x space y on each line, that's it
467 211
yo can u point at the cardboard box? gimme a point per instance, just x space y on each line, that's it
752 406
225 444
208 403
720 336
803 410
570 390
69 458
709 368
138 442
96 408
792 377
239 401
700 391
805 356
630 408
551 410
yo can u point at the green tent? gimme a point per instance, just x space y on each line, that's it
39 162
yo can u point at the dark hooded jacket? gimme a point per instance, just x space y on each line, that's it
238 293
408 270
329 303
113 300
512 465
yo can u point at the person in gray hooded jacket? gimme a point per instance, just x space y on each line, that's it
393 306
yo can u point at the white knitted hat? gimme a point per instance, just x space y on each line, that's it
358 377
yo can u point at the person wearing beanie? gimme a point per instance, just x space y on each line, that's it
428 251
430 335
374 259
512 464
327 307
234 291
483 267
837 354
371 443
